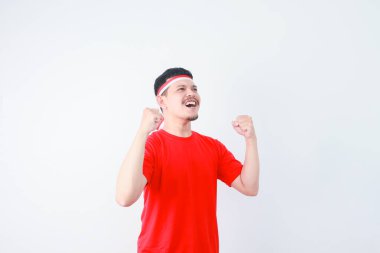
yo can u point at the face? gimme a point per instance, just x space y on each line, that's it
182 100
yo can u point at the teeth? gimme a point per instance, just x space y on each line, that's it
190 103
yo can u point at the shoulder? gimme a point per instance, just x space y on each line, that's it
154 139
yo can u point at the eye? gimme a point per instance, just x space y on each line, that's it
181 89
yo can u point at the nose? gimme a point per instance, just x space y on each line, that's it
190 92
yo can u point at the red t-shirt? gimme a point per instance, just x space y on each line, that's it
179 214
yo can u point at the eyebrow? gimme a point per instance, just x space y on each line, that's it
182 85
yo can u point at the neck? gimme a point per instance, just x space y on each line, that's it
179 128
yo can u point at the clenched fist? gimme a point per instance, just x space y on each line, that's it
151 120
243 125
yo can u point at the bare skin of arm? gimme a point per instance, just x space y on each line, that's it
248 180
131 180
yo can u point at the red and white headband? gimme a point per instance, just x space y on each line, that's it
170 81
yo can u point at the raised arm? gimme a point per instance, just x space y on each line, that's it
248 181
131 180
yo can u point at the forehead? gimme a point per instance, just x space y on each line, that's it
183 82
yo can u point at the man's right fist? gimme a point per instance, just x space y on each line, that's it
151 120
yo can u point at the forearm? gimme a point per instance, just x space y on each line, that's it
250 172
130 180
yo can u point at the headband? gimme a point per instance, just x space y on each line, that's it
170 81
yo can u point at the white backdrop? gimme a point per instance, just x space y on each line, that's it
76 75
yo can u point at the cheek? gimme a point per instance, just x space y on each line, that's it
175 102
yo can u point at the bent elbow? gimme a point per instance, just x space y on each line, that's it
127 197
124 202
252 193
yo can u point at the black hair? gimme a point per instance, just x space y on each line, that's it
168 74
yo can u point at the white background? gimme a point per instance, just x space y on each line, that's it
76 75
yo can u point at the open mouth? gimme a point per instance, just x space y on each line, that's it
190 104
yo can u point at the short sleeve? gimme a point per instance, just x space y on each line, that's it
229 168
149 159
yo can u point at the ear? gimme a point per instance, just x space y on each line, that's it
160 101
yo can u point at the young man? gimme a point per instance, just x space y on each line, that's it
178 170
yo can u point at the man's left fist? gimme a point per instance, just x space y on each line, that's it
243 125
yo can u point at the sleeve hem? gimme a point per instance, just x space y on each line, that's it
233 179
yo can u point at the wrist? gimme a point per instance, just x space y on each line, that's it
251 139
142 133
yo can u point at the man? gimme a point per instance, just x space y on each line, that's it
178 170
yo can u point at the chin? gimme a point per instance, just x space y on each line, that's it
192 118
